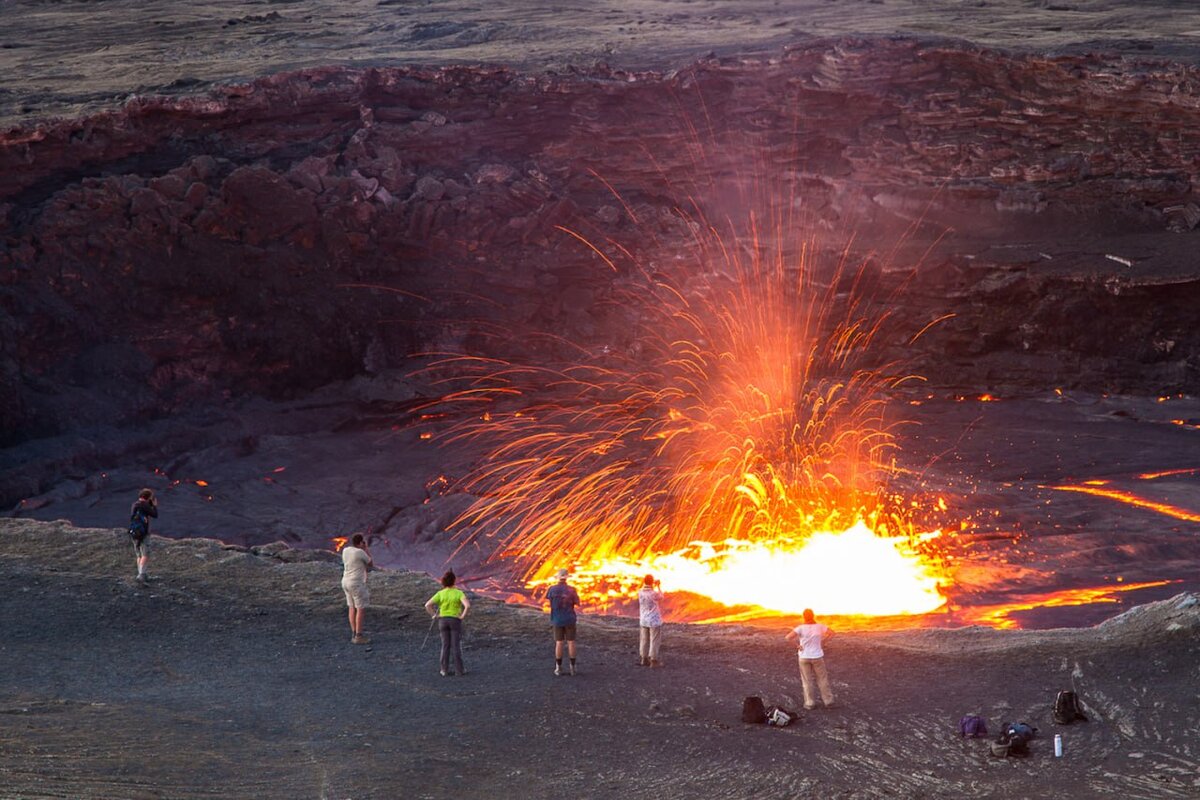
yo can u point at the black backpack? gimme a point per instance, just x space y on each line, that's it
139 525
1067 709
753 711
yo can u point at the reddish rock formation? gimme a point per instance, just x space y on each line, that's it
271 237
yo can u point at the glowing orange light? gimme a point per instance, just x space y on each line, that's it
1150 476
739 434
1134 500
427 435
781 575
201 483
339 542
1000 615
279 469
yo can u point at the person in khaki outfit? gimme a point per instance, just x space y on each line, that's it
356 560
650 598
810 635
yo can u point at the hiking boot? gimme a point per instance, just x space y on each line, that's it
360 640
654 662
558 669
643 662
443 673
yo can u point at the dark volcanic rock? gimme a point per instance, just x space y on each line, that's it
265 237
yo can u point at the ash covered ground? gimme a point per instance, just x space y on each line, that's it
231 676
225 231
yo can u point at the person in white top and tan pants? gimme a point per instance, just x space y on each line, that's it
650 598
810 635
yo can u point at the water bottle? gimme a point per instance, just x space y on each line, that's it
1058 745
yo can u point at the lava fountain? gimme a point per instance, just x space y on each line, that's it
731 436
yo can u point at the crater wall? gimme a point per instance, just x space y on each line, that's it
272 237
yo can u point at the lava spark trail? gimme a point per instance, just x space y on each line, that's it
733 406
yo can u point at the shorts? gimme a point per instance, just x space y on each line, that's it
357 595
564 633
141 549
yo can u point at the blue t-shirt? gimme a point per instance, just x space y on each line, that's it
563 600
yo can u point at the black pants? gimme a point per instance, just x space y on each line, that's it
451 628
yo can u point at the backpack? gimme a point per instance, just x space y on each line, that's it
972 725
1066 708
139 525
1017 735
753 711
780 717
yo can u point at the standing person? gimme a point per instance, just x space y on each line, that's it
563 599
356 560
452 606
650 618
145 507
811 635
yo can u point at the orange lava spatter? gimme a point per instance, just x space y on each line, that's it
732 437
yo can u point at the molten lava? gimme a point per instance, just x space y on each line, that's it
847 573
1001 615
732 437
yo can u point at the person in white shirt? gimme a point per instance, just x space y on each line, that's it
356 560
650 618
810 635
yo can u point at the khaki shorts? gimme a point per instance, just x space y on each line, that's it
357 595
564 633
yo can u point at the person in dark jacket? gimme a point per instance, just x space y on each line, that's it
563 598
145 507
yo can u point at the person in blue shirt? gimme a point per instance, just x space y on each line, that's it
563 599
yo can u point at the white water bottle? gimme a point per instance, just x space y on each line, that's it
1058 745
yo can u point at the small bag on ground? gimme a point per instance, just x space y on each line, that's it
753 711
972 725
1067 708
1017 735
780 717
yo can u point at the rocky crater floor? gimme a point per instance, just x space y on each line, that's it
231 675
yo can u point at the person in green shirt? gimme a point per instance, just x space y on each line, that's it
451 609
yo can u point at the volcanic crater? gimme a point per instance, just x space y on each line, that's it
284 260
230 294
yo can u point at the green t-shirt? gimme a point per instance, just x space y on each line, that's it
449 602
